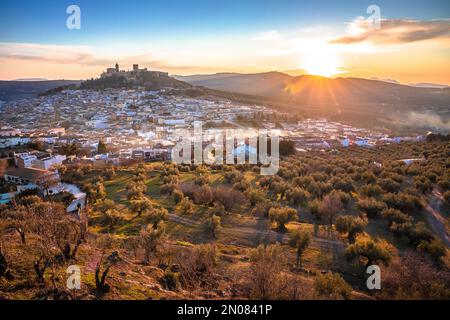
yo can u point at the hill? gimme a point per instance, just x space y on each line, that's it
151 80
371 103
322 91
20 89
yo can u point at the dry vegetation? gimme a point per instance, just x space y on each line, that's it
162 231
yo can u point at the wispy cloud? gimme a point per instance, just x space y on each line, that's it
267 35
394 31
83 56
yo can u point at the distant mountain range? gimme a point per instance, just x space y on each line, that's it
22 89
318 91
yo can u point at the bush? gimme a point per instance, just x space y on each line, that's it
404 202
201 180
266 266
389 185
171 280
332 286
241 185
261 209
282 216
255 196
351 225
203 195
212 225
371 190
373 252
418 232
371 207
228 197
296 195
345 185
167 188
329 207
394 215
197 266
177 195
186 206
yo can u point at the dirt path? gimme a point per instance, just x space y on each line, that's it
435 218
260 233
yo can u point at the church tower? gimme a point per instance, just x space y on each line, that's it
117 67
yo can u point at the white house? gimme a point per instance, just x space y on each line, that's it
24 160
48 162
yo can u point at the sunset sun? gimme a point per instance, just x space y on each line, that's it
321 63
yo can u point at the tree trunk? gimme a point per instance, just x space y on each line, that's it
3 264
100 280
297 263
21 233
40 270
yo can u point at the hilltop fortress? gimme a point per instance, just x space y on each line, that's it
132 75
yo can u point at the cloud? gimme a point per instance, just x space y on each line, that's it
267 35
83 56
394 31
59 54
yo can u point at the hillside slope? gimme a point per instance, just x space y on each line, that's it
14 90
322 91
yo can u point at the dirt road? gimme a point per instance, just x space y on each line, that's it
434 217
260 233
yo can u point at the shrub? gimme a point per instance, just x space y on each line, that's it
373 252
255 196
203 195
296 195
261 209
329 207
177 195
394 215
197 266
371 207
371 190
351 225
404 202
332 286
171 280
167 188
282 216
212 225
299 240
345 185
228 197
389 185
186 206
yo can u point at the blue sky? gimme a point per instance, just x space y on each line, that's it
207 36
44 21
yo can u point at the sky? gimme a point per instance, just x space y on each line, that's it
408 43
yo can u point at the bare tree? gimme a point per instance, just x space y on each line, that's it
150 237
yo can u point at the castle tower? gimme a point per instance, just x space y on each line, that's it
117 67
